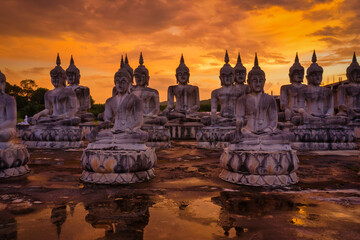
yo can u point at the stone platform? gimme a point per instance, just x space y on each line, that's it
13 160
159 136
329 137
86 127
54 137
185 130
213 137
117 163
259 165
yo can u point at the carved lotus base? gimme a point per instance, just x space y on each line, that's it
331 137
118 166
41 136
259 168
186 130
213 137
13 160
117 178
158 136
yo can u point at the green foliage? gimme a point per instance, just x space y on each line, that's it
96 109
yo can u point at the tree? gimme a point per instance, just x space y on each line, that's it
27 86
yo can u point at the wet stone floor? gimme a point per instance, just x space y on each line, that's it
186 200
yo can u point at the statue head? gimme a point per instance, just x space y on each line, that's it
2 82
129 69
73 73
256 77
240 71
226 72
141 73
314 72
296 71
122 79
58 74
182 72
353 71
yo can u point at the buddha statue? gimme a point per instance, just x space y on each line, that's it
60 103
292 100
148 96
187 97
13 157
319 100
240 77
7 113
349 94
82 92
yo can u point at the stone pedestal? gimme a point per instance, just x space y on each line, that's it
54 137
86 127
262 164
324 137
117 163
213 137
13 160
185 130
159 136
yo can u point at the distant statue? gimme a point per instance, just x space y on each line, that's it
349 94
60 103
82 92
240 78
148 96
292 100
256 112
187 96
7 113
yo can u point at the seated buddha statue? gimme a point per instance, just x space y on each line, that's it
187 97
123 113
82 92
148 96
319 100
240 78
7 113
349 94
292 100
60 103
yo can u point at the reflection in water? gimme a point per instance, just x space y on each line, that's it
246 212
123 217
8 226
58 217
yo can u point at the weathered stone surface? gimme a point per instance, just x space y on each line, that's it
211 137
186 130
158 136
13 160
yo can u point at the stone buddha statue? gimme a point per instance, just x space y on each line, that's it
240 77
82 92
256 112
319 100
349 94
187 96
60 103
148 96
7 113
292 100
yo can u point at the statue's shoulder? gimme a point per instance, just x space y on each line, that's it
68 91
9 99
193 87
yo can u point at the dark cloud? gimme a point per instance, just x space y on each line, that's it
35 70
291 5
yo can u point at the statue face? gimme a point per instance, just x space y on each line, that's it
141 79
297 77
2 86
183 77
240 77
257 83
57 81
122 84
71 77
314 78
355 76
227 79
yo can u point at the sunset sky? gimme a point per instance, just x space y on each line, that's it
98 32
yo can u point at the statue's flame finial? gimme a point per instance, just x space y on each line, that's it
141 59
182 59
354 60
239 59
58 61
126 59
256 61
227 57
72 60
297 58
122 62
314 58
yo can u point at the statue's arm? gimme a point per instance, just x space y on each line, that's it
341 101
214 102
108 113
196 106
273 116
240 113
156 109
11 114
87 100
72 105
138 114
170 99
48 108
283 98
330 110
